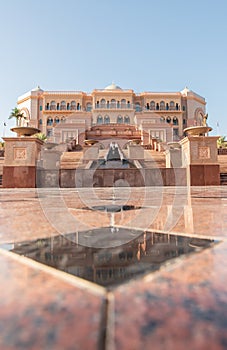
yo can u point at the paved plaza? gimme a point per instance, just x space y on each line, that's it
183 305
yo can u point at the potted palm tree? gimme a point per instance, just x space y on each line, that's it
222 142
22 128
2 144
41 136
16 113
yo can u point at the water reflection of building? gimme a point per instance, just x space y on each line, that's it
112 112
110 265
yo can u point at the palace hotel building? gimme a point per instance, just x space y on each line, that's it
112 112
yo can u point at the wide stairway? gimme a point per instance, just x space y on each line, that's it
222 160
72 160
153 159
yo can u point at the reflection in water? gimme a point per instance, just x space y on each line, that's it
110 266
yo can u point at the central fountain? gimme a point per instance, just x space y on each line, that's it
114 158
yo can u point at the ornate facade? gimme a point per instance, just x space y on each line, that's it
112 112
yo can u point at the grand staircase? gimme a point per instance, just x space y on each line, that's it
154 159
72 160
222 160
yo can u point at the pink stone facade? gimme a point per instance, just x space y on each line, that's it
112 111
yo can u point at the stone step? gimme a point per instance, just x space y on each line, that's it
223 178
71 160
222 160
154 159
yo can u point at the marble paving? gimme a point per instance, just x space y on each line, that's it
181 306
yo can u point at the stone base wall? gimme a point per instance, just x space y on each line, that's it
122 177
203 175
47 178
30 177
19 177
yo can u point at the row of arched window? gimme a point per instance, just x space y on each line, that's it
63 106
113 103
169 120
172 106
123 103
106 120
51 121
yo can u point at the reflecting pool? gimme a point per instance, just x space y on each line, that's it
129 253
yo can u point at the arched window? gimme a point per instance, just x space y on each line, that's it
128 104
162 119
78 106
49 132
148 107
138 107
167 106
122 256
152 105
175 134
177 107
47 106
58 107
107 120
88 107
103 103
198 118
49 121
162 105
171 105
57 120
123 103
168 120
63 106
99 119
175 121
108 104
68 106
63 120
127 119
40 122
119 119
73 105
53 106
129 255
97 104
113 103
118 104
157 106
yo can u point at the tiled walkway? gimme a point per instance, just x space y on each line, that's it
182 306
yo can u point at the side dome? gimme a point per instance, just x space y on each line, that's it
112 87
37 88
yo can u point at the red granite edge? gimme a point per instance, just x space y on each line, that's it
182 306
41 308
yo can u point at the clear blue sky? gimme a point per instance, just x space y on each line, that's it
144 45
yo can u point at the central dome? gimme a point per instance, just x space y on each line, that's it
112 87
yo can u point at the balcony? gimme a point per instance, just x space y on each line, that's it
62 109
106 131
163 110
111 105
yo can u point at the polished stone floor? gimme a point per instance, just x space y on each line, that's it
181 306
